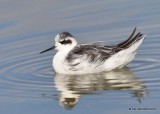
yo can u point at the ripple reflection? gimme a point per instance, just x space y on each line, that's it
71 87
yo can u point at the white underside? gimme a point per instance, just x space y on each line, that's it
117 60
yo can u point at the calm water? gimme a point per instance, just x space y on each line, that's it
28 84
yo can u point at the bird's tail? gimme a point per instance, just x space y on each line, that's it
131 40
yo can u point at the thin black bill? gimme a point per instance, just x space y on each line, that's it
48 49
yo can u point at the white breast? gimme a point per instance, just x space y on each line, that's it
58 62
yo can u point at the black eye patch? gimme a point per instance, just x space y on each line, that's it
66 42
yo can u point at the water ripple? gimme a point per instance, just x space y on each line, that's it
27 74
22 70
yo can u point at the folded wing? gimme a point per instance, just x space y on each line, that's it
97 52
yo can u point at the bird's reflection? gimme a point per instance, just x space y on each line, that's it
71 87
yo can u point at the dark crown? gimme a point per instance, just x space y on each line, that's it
65 34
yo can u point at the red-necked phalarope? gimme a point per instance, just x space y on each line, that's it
75 58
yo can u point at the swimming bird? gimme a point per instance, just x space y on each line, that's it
75 58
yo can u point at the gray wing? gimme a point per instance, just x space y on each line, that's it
96 52
92 53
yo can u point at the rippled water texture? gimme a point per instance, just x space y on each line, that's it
28 83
